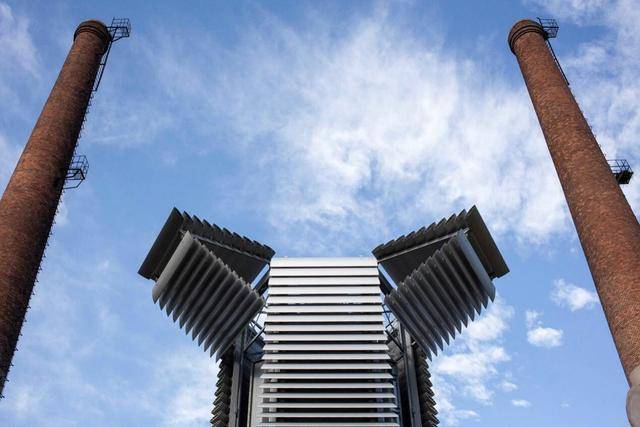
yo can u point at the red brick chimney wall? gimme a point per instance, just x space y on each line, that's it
29 203
607 227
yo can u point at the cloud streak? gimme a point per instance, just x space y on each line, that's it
375 131
79 358
521 403
471 366
573 297
539 335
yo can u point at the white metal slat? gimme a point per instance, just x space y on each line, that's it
325 356
325 337
275 327
325 366
326 375
346 308
335 318
341 405
328 424
323 262
321 395
334 299
322 415
323 272
317 385
325 347
324 281
322 290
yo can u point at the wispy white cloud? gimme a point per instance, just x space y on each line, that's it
471 366
20 66
16 42
76 344
577 11
521 403
531 318
27 399
508 386
349 130
448 413
185 386
8 159
573 297
545 337
539 335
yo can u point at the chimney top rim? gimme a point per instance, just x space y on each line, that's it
522 27
96 27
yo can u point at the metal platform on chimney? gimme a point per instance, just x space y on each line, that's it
621 170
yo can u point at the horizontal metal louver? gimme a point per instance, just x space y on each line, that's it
222 402
428 412
326 360
442 294
206 297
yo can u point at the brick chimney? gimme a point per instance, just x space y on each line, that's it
29 202
607 227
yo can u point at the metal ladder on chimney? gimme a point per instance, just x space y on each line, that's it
77 172
619 167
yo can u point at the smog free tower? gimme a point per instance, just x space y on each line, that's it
323 341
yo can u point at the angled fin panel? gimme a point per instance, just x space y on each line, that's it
244 256
401 256
165 243
442 294
485 246
205 296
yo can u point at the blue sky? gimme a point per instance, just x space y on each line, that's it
319 129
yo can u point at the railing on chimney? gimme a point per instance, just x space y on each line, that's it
621 170
77 172
119 29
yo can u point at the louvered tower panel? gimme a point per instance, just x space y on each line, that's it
428 412
222 400
326 360
203 275
444 277
208 299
